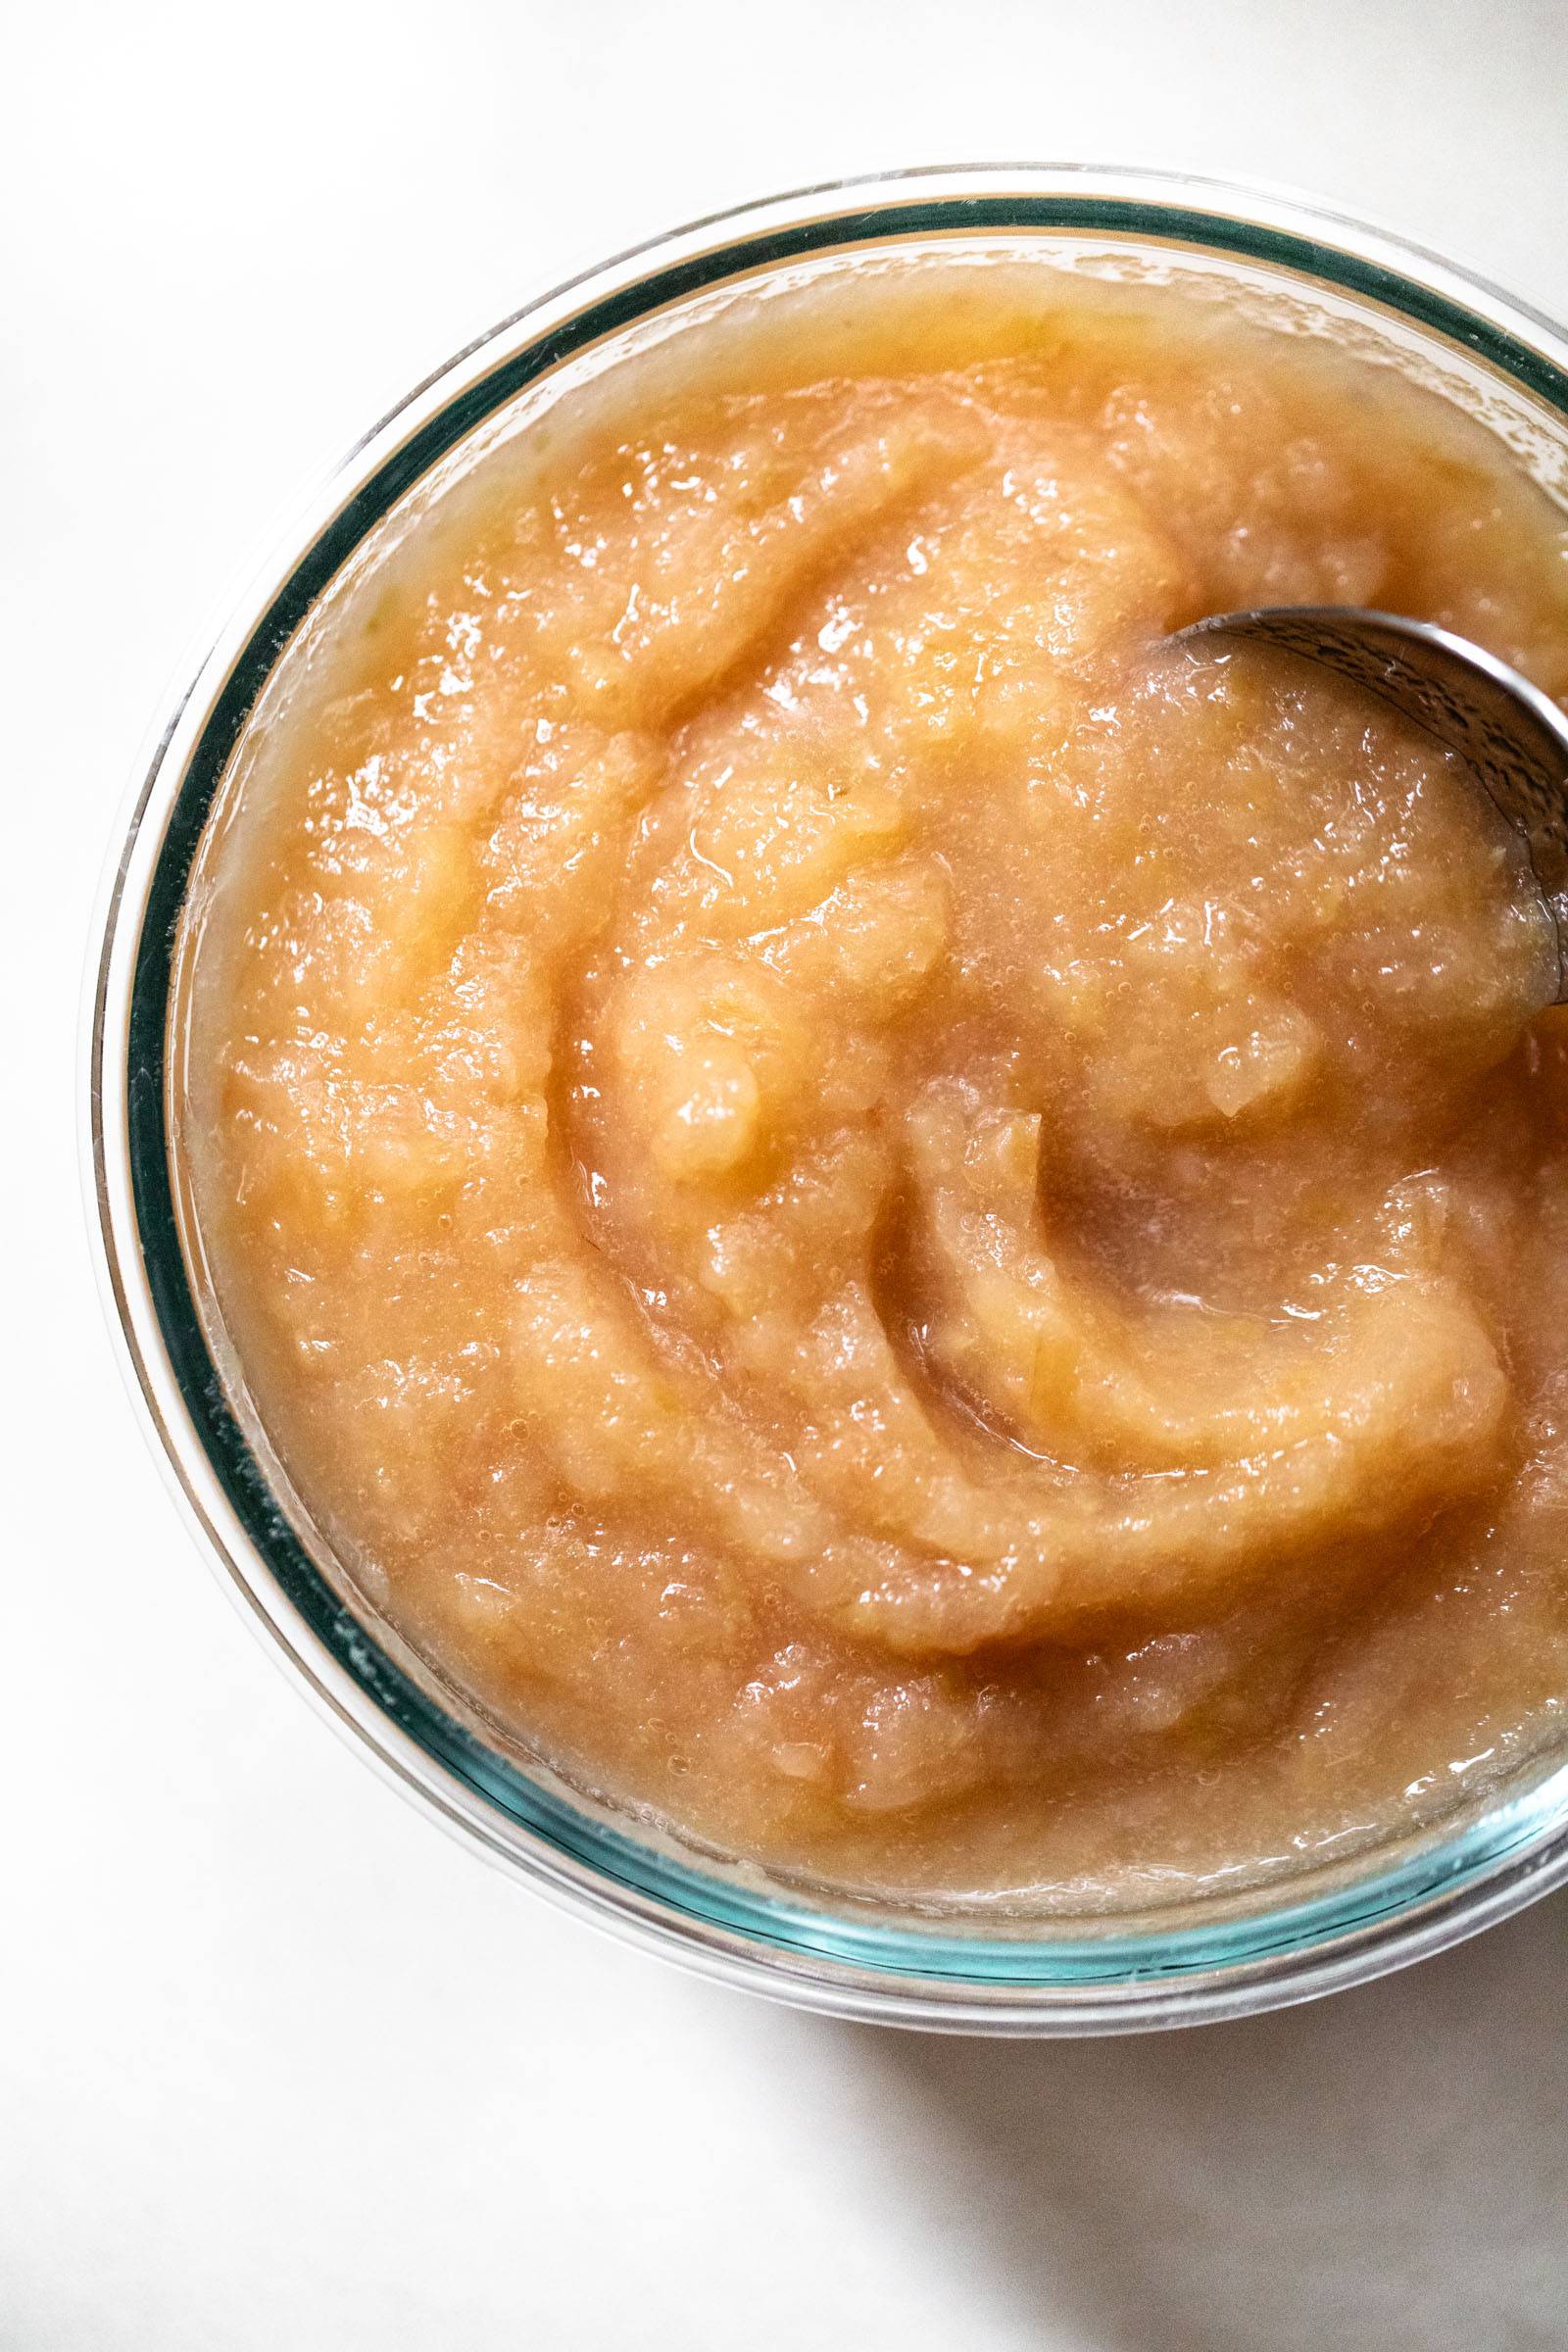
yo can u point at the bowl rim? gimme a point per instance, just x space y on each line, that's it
791 1948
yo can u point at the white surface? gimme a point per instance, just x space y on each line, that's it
280 2066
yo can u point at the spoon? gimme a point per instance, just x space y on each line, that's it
1513 738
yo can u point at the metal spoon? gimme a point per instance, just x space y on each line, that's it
1513 738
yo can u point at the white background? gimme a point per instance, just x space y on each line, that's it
282 2070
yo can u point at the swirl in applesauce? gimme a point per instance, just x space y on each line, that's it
890 1217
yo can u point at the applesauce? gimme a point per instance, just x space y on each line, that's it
889 1218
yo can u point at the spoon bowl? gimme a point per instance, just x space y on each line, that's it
1512 737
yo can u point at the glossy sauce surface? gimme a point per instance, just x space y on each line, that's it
891 1218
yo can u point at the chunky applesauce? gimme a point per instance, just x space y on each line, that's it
892 1221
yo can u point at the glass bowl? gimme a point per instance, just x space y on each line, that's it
1193 1959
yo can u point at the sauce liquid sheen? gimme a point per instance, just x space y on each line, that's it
893 1220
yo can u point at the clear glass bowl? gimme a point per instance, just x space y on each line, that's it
1193 1959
